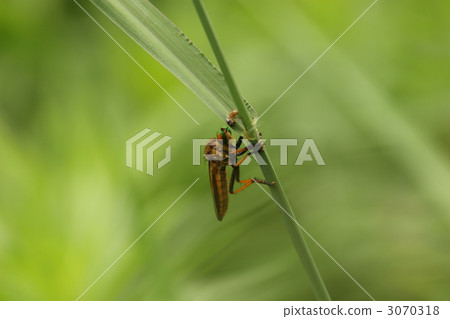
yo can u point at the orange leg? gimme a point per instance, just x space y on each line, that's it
243 150
241 160
246 182
249 182
236 170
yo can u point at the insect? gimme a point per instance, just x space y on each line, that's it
230 118
217 152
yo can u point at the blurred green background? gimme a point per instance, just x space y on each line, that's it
377 105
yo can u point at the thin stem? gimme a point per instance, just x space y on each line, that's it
278 194
243 114
317 283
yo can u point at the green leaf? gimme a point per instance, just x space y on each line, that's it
162 39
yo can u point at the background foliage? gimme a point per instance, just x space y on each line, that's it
377 106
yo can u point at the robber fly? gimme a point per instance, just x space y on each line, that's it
217 153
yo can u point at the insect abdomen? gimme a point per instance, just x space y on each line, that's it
219 187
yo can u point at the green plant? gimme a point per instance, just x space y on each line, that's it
167 44
269 173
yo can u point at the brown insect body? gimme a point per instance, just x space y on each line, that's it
217 149
217 153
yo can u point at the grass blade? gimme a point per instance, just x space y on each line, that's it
162 39
277 191
238 100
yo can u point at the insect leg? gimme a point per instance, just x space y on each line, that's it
246 182
239 142
239 152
